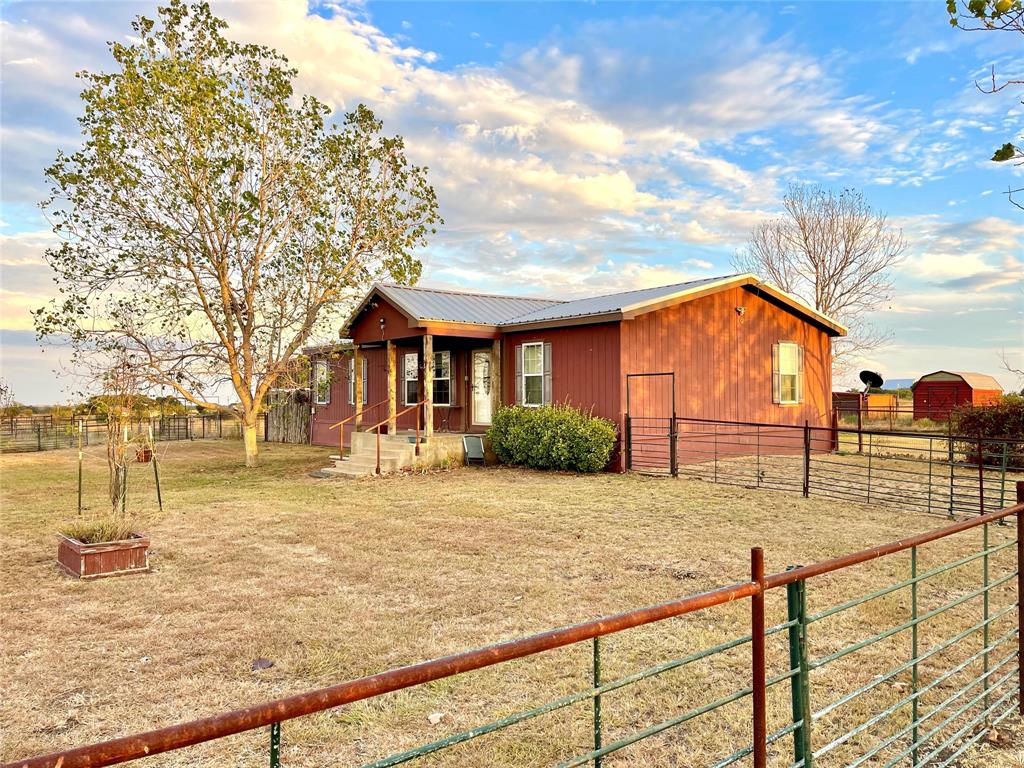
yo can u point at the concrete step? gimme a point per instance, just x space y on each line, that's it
343 471
369 464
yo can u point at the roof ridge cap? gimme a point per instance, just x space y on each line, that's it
423 289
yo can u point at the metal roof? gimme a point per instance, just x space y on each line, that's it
613 302
457 307
516 312
975 380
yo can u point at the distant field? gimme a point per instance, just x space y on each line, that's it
335 579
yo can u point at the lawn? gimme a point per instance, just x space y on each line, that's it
334 579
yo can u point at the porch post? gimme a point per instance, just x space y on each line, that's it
496 401
428 386
392 387
357 389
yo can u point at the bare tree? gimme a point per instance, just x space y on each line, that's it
835 252
9 407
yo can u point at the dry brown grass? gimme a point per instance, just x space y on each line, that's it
336 579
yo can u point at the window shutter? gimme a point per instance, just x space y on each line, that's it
776 381
547 373
351 381
365 393
519 374
800 374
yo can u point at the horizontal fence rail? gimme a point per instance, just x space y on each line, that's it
941 474
46 433
823 670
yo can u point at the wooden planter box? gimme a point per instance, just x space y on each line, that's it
107 558
144 455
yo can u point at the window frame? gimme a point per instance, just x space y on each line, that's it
539 376
321 365
796 373
406 380
444 353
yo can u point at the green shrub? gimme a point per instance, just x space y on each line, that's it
1002 421
552 437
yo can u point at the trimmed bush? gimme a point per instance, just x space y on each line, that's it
1003 421
552 437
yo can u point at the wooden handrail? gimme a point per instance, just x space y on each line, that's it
349 418
341 435
376 427
400 413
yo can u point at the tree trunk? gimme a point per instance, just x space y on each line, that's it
252 451
117 473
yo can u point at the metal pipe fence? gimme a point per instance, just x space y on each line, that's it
826 667
940 474
46 433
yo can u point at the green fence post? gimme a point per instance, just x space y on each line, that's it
800 684
79 468
914 705
597 700
275 745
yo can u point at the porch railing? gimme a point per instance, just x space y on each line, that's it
376 428
341 424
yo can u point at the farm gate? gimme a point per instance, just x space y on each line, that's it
650 439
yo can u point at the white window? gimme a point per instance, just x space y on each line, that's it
787 373
411 377
533 374
352 381
321 383
443 378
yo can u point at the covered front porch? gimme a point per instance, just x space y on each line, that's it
426 384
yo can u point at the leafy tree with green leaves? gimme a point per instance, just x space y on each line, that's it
994 16
212 221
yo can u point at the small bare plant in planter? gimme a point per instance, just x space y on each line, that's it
108 544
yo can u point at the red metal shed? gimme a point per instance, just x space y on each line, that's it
936 394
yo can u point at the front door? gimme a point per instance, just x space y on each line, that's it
481 387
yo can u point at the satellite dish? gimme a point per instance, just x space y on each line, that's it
871 379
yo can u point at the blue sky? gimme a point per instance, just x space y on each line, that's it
581 147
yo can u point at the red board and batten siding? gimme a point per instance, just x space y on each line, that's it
339 407
723 359
584 366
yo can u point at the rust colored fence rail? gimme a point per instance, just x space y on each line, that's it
948 631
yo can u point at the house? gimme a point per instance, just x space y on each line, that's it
441 362
938 393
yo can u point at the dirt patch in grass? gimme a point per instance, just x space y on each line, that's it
334 579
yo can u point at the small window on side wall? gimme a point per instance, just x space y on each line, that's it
533 374
787 373
321 383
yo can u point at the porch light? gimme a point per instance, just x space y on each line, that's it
383 322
